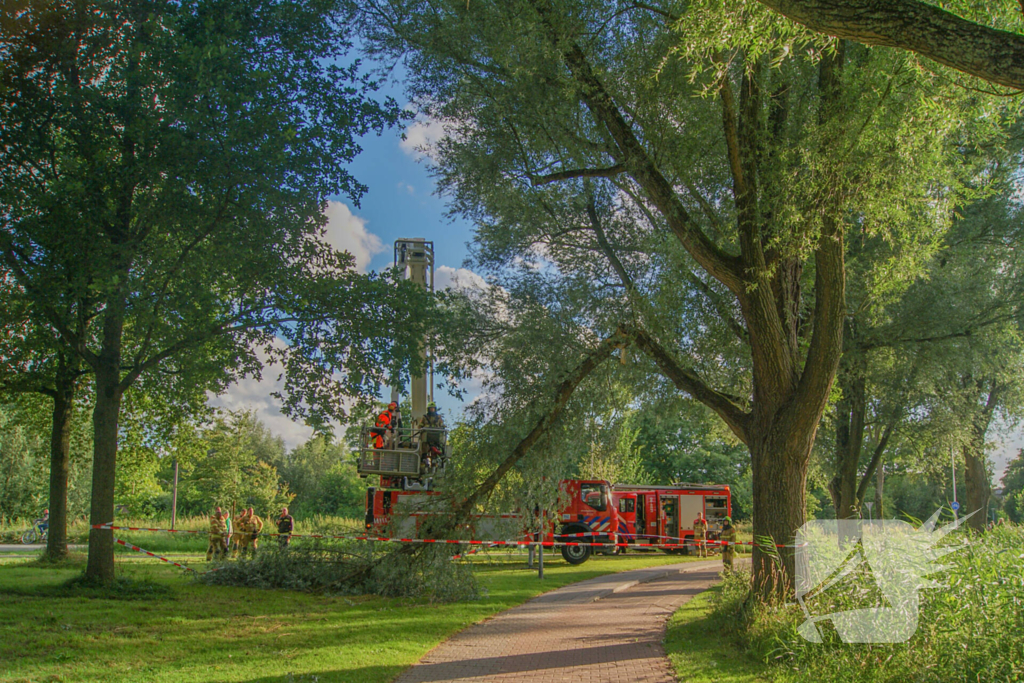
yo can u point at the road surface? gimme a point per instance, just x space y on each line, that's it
604 630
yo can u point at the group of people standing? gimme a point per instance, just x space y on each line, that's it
244 537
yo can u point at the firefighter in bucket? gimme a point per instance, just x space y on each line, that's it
430 429
383 431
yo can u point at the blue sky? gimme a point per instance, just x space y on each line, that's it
399 203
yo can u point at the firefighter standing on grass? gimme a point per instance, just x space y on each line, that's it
238 537
218 536
254 528
700 535
285 526
729 543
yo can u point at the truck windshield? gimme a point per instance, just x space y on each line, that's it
593 495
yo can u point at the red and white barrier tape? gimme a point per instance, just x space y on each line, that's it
686 542
146 552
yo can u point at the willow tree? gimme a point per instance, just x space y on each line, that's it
942 350
742 150
981 40
177 157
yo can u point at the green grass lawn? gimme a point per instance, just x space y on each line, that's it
699 651
185 631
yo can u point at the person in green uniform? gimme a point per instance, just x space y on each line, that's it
728 538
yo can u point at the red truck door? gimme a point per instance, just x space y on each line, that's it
627 516
669 527
651 514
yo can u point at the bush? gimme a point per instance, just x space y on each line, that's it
347 567
969 626
311 565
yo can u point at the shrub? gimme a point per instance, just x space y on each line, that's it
969 626
347 567
312 565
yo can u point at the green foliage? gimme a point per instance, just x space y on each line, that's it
25 458
24 465
968 626
323 479
1013 489
236 471
430 574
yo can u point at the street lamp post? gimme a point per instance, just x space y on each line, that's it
174 496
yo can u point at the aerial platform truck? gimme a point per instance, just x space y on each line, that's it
412 462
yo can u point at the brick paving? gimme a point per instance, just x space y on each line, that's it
605 630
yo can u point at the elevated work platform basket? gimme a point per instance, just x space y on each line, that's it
403 453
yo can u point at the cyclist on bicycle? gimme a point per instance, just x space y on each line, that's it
44 523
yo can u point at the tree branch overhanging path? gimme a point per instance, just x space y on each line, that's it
989 53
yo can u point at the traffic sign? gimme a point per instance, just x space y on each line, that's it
955 505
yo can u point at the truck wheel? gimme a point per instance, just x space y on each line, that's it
575 554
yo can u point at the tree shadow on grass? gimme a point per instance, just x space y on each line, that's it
122 588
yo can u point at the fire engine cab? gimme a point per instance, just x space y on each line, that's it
637 514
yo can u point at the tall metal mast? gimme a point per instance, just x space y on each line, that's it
415 257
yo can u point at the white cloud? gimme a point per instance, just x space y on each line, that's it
347 232
421 137
406 187
446 277
255 394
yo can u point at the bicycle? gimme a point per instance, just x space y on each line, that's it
36 534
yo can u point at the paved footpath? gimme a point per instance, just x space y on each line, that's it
604 630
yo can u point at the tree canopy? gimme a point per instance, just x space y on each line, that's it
166 166
684 179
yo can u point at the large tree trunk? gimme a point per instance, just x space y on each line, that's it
60 455
977 489
787 401
779 464
107 369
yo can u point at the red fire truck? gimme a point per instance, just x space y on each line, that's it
638 514
593 511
